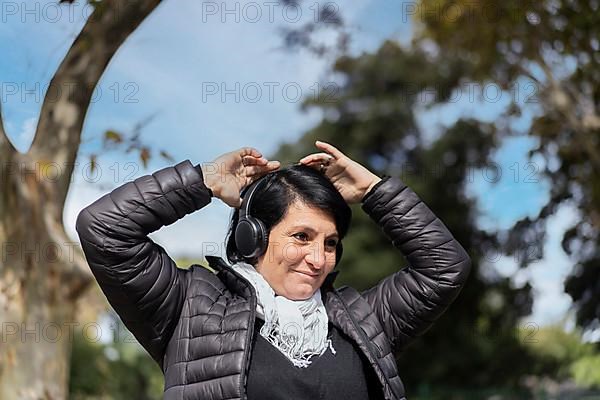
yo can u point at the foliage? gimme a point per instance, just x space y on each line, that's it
586 371
372 120
551 46
564 355
119 370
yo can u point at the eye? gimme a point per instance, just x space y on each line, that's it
301 235
332 243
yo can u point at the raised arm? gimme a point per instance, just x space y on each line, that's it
409 301
140 281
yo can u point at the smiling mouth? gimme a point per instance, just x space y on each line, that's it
307 274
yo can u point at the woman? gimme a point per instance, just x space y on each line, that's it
271 325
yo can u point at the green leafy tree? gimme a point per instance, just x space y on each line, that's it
547 52
564 355
371 118
119 370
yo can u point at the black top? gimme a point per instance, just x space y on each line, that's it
343 375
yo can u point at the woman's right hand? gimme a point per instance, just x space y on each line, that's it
229 173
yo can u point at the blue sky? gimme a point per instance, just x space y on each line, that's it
168 68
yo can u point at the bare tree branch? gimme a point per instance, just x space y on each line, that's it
58 133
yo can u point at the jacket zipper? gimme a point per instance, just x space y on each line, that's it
365 339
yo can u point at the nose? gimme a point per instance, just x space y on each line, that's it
316 256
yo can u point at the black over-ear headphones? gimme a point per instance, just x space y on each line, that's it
251 236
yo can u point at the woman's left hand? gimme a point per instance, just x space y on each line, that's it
350 178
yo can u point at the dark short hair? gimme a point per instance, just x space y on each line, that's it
284 186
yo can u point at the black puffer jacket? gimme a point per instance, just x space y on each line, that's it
197 325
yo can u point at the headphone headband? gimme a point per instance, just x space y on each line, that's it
245 208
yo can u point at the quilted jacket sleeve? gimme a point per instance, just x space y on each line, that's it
140 281
409 301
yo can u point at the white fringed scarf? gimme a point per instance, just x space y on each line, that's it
304 322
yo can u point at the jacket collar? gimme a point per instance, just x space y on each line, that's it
219 265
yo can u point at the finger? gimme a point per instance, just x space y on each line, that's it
316 157
316 165
257 170
272 165
253 170
249 151
251 160
312 163
267 166
329 149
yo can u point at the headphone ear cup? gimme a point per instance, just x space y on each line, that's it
243 237
262 239
251 237
339 250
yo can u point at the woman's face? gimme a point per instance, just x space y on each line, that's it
300 252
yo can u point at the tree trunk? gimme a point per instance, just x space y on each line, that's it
41 275
37 335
